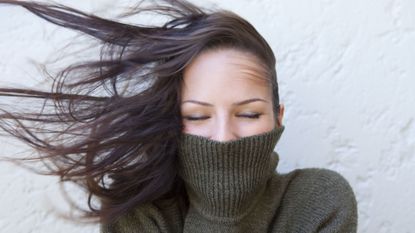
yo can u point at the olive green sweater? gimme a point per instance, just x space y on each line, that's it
234 187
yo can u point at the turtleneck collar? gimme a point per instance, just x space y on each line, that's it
224 180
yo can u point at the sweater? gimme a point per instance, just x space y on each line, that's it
234 187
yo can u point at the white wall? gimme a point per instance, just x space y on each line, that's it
347 77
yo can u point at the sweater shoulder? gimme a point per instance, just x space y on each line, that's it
321 180
322 186
320 199
163 216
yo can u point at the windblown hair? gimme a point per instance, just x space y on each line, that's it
120 146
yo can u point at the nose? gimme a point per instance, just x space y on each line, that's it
223 131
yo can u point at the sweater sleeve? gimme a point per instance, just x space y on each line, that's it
148 218
322 201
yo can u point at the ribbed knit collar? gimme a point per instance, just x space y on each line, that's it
224 180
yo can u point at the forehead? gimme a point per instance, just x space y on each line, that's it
225 67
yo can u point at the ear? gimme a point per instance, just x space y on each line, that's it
281 114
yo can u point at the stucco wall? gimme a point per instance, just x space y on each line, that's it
347 77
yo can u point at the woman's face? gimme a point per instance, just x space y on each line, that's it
226 96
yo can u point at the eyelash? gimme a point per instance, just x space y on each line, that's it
252 116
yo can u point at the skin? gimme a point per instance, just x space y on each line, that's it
225 96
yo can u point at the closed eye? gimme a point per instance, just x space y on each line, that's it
199 118
251 116
191 118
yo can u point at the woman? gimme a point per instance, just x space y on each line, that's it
173 128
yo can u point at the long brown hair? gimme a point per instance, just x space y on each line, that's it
118 145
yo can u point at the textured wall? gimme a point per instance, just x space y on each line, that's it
347 77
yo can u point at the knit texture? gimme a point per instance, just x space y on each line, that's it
224 180
233 187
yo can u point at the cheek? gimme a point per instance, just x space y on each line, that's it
256 127
201 129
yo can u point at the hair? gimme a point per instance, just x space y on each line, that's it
120 144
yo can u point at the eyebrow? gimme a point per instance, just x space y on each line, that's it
237 103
